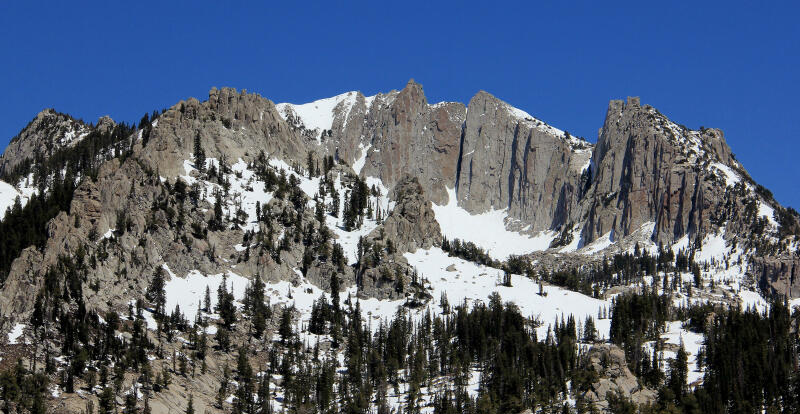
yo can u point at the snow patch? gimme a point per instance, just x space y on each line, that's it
188 292
714 247
473 282
767 211
731 177
692 343
318 115
487 230
599 244
358 165
15 333
9 193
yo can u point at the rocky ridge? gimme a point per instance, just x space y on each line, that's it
647 180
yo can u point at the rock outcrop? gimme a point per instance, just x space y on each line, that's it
400 133
608 361
777 274
643 169
45 134
411 225
647 169
231 123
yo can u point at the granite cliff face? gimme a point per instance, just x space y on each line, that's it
615 377
513 161
778 274
412 224
644 169
385 136
647 169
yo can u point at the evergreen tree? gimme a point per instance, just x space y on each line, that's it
285 327
199 154
190 405
156 293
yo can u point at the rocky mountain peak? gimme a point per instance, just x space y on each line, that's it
48 131
646 168
409 104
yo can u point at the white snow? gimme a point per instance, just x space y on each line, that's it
9 193
575 244
247 192
309 186
794 303
731 178
318 115
522 115
469 282
765 210
15 333
7 196
72 136
692 342
487 230
713 247
244 192
189 291
599 244
753 300
681 244
475 282
349 240
358 165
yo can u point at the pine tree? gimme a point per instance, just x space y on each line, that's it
589 331
678 372
106 403
285 327
156 293
207 300
219 218
190 405
199 154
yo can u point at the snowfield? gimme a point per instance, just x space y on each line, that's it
318 115
487 230
471 282
731 178
9 193
189 292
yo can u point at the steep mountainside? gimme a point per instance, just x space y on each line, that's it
352 208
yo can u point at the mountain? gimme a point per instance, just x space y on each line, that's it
279 229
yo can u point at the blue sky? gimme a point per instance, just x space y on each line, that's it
728 65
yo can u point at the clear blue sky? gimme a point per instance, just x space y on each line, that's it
726 65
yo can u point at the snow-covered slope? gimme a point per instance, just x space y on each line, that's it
318 116
9 193
487 230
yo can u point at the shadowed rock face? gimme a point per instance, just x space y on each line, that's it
779 274
648 169
402 134
519 163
